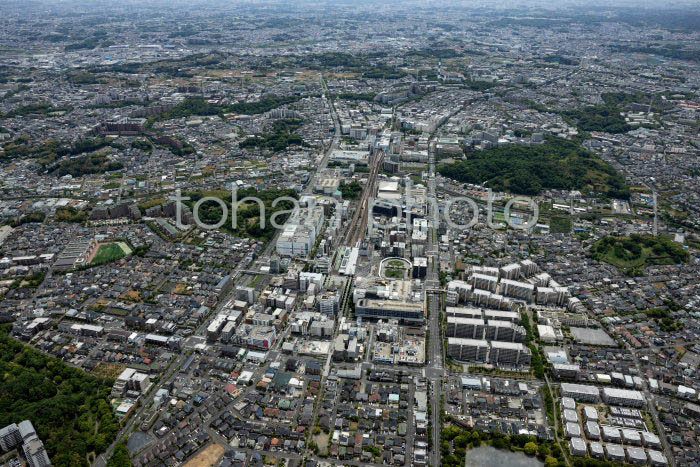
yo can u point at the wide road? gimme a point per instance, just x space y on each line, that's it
435 371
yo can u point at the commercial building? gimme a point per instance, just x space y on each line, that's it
300 232
570 415
9 437
75 254
329 303
389 309
35 453
130 380
632 437
611 434
590 413
597 450
572 430
650 440
88 330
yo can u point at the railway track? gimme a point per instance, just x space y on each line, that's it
358 227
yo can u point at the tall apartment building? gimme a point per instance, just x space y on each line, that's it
24 434
10 437
516 289
542 279
509 353
463 312
486 270
528 267
484 282
458 291
499 315
481 297
470 328
35 453
504 331
510 271
467 349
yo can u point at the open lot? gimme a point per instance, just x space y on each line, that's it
208 457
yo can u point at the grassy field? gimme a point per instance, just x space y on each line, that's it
109 370
394 273
560 224
638 251
108 253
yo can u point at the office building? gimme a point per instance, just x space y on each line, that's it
329 303
409 312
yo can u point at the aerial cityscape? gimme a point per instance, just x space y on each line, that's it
315 234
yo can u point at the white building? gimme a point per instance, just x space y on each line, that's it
300 232
627 397
516 289
580 392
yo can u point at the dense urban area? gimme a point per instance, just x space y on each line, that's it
364 233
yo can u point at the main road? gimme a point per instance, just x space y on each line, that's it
434 371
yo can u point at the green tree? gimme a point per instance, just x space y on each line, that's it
530 448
